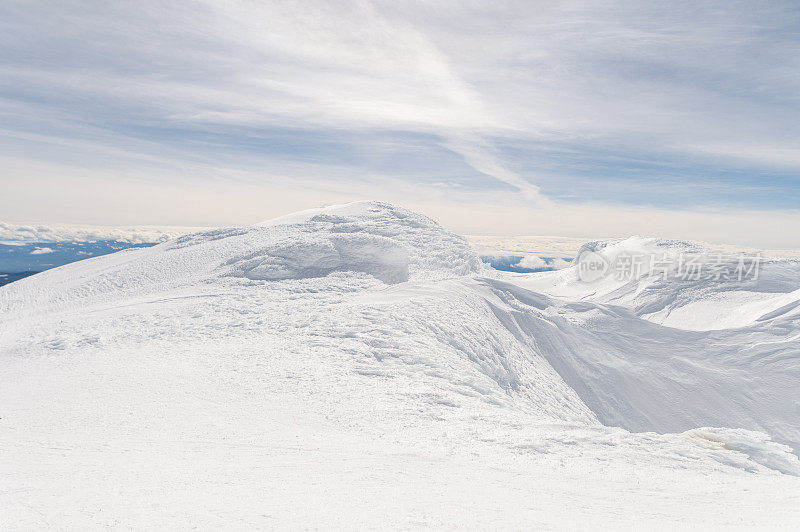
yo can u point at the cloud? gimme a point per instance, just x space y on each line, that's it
19 234
532 261
99 201
41 251
479 157
569 118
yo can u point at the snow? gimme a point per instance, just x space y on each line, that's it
356 366
563 246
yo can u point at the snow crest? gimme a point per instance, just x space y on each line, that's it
683 285
385 242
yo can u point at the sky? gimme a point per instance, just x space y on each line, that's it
597 119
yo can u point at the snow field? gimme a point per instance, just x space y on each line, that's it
355 367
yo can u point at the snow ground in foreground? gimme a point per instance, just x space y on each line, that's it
357 367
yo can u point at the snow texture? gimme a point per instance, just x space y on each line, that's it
356 366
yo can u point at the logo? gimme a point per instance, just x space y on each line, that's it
592 266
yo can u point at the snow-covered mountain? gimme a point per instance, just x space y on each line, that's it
357 366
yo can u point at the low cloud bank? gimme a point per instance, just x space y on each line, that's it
15 233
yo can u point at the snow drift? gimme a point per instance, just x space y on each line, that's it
277 374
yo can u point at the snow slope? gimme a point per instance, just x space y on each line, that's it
681 353
356 366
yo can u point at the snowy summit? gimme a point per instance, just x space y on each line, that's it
357 366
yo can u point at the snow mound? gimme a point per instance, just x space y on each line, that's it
385 242
681 284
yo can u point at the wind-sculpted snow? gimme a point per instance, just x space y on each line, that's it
643 376
383 241
702 299
377 256
356 366
655 351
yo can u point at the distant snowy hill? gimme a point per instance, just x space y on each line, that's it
357 366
